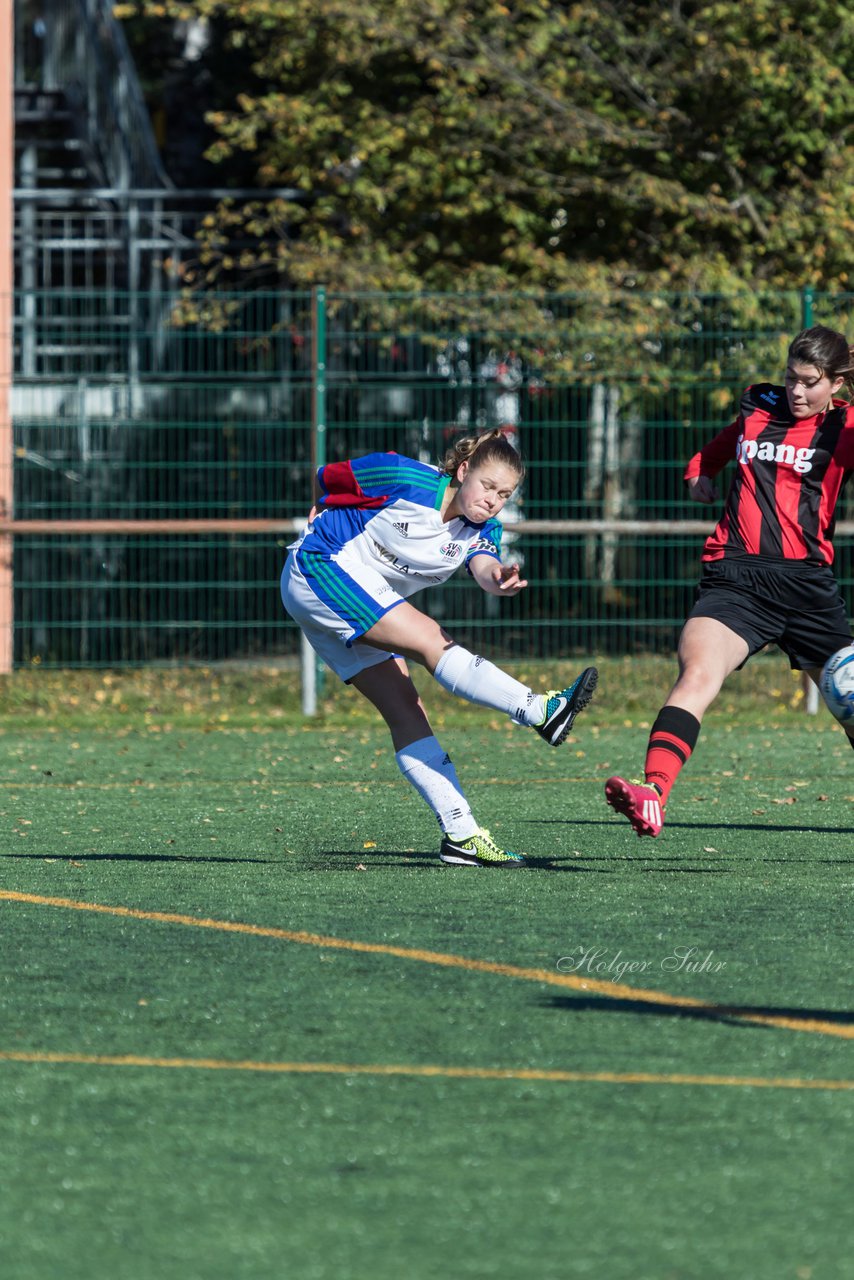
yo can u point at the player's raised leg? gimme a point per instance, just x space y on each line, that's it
708 653
428 768
407 631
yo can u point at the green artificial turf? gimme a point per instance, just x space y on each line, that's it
220 1148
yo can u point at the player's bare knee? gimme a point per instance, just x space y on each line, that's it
700 683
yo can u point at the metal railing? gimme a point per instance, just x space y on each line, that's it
79 47
153 501
98 277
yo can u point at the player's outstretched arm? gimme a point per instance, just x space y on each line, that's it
703 489
496 579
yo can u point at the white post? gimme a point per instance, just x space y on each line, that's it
7 277
811 695
308 678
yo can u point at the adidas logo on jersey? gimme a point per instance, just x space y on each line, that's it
402 529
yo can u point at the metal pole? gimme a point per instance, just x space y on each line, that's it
29 264
811 698
308 678
312 674
811 695
318 377
7 278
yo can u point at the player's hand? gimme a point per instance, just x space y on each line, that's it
703 489
506 578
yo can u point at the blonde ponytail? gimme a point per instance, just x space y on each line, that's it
491 446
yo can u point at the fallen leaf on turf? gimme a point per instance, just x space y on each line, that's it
369 844
788 800
360 866
707 848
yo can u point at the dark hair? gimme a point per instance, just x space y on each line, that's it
492 446
827 350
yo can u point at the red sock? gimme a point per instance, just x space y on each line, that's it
671 741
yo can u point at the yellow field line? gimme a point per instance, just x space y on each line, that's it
614 990
420 1071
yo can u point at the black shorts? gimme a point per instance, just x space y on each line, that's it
793 604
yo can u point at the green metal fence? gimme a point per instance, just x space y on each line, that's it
146 407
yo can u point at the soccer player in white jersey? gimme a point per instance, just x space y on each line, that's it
381 528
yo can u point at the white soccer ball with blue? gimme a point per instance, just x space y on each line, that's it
837 683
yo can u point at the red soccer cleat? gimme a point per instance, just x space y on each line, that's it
637 801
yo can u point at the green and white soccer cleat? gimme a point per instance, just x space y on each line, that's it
479 850
563 705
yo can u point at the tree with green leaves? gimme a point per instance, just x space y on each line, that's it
694 145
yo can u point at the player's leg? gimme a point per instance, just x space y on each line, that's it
427 767
322 607
708 652
408 631
819 628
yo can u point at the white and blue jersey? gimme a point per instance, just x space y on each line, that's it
377 538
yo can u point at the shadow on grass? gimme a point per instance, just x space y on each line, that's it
575 864
127 857
362 860
674 863
735 1015
355 859
371 859
607 863
324 860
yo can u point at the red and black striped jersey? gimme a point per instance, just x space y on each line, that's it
789 475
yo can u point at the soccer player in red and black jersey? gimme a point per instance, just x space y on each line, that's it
766 569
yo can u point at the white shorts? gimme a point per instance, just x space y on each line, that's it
335 607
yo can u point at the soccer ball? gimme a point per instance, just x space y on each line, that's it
837 683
